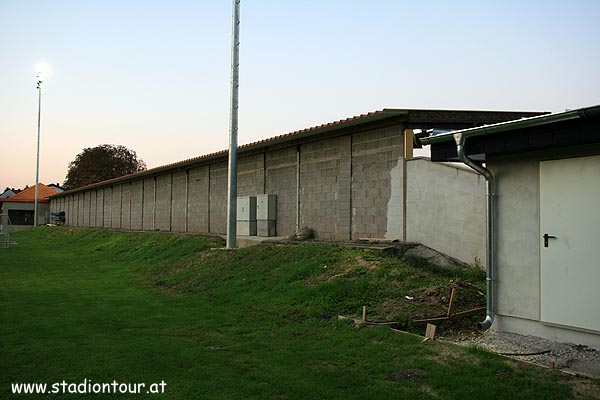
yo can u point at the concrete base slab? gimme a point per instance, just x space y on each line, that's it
247 241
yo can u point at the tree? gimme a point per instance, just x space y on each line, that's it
100 163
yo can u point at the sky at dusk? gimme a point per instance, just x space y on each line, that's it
154 75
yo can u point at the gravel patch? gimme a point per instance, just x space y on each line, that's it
568 357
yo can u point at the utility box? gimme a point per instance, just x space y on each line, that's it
246 216
266 214
246 228
266 228
246 208
266 207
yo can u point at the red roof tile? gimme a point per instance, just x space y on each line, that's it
359 119
28 195
331 126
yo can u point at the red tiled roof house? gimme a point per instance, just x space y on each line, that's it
20 207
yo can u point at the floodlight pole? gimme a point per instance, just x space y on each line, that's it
40 83
233 128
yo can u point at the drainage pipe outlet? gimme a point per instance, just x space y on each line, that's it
490 252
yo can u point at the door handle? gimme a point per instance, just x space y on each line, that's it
546 237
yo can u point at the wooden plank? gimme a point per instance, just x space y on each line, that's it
430 332
451 301
453 316
427 320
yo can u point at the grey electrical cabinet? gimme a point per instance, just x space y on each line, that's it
266 214
266 207
246 228
246 208
266 228
246 216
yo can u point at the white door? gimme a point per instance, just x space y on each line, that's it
570 262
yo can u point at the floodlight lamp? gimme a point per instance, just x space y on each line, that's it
43 71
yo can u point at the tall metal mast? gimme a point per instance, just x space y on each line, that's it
233 128
40 84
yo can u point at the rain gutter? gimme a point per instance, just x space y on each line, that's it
490 253
508 126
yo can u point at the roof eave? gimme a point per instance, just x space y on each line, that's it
375 116
514 125
309 132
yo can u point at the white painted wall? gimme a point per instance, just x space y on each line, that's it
395 204
517 233
518 250
445 208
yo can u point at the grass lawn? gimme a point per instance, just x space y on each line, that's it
254 323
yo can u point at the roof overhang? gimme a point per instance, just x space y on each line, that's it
408 118
576 127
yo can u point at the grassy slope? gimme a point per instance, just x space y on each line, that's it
250 323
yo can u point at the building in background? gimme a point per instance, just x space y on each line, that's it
9 192
20 207
56 187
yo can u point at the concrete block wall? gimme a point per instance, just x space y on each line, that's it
100 207
331 200
69 206
280 180
163 202
107 207
251 175
86 208
115 207
325 187
78 209
69 210
218 197
52 207
63 206
78 206
179 201
375 154
198 205
93 201
351 186
81 209
148 207
136 197
126 206
73 209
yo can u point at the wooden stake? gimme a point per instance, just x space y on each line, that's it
430 332
364 314
454 316
451 301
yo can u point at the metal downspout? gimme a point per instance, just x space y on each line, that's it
490 229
